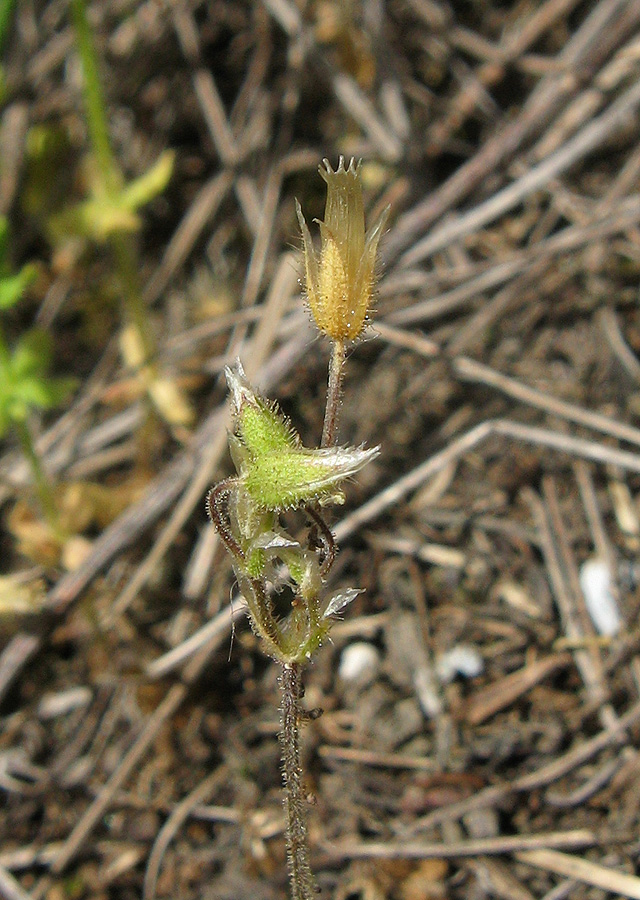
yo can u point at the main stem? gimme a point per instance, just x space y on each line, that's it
295 803
303 886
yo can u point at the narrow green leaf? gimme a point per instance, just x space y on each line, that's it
149 185
32 355
12 287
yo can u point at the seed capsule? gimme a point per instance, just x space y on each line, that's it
341 278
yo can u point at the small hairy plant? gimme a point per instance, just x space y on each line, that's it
275 472
25 382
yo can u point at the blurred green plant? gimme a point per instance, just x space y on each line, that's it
25 382
6 13
110 215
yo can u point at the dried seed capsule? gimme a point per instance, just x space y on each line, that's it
340 280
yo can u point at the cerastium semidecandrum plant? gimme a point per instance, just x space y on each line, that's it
275 472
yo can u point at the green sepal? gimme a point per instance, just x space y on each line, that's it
259 424
281 480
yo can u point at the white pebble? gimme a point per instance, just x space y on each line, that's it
463 659
359 663
595 581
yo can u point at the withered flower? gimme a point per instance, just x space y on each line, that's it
340 279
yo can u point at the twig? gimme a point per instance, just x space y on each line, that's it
489 700
203 208
470 439
97 809
478 847
10 887
587 139
218 627
589 45
175 821
513 44
572 759
470 370
610 880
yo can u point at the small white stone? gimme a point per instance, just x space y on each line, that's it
463 659
359 663
599 598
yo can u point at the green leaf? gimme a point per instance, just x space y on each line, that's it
12 287
30 392
32 355
24 382
41 393
149 185
97 219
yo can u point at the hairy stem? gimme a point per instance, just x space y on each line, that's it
334 392
302 882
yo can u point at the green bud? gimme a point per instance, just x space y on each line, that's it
284 480
274 469
260 426
275 472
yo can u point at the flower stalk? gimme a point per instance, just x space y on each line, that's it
334 394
